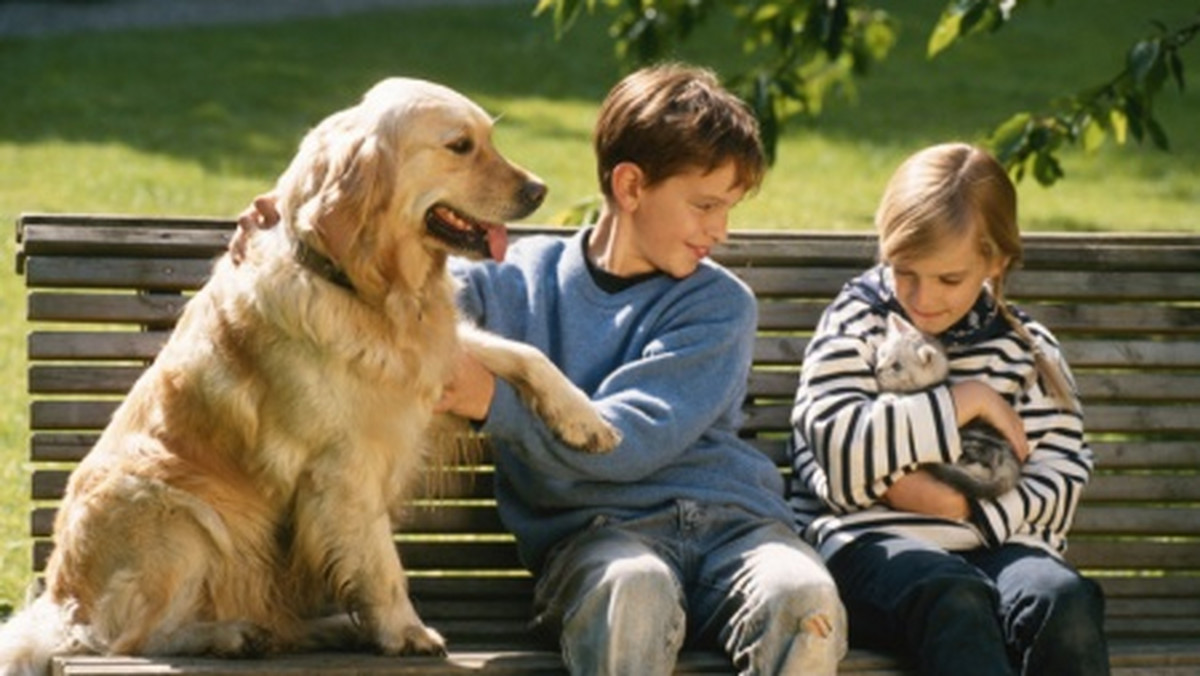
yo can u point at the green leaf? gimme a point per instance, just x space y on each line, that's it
976 16
944 33
1176 66
1142 59
565 13
1093 136
1119 123
765 13
1010 137
1046 169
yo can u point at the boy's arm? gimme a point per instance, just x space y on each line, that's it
692 372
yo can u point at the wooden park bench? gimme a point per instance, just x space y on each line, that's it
103 293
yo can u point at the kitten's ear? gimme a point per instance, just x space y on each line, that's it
898 323
927 354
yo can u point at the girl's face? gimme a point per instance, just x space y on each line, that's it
940 288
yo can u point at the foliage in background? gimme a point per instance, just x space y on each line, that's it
1121 107
802 50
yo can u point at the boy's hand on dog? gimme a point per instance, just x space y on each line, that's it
260 215
469 391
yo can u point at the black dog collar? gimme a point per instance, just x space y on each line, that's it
322 266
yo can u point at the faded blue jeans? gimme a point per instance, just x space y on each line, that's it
1009 610
624 596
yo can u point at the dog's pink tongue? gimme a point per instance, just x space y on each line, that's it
497 239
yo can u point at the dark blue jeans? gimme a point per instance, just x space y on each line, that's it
1013 609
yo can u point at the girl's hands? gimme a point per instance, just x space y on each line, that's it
919 492
974 399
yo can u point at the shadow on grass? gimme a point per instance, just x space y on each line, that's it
238 99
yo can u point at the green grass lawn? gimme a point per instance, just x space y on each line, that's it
197 121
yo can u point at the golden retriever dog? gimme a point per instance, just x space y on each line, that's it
243 489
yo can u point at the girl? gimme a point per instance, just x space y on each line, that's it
960 586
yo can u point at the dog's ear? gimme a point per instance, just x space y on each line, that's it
342 176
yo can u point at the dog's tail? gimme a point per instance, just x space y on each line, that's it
33 636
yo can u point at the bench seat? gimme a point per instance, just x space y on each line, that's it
105 291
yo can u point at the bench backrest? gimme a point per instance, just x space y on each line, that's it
104 293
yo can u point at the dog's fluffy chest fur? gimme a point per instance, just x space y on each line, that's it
314 339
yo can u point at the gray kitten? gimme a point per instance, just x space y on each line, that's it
908 361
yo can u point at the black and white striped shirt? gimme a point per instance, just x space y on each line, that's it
850 442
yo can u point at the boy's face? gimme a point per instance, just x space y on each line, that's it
677 221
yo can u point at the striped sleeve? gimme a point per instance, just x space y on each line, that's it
1042 507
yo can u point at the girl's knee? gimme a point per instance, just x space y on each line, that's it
953 602
1064 632
1070 615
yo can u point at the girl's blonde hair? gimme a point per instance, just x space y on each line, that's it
954 190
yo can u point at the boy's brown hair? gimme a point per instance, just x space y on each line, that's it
672 118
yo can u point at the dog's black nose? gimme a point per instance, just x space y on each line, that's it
532 194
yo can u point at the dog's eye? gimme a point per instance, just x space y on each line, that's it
461 146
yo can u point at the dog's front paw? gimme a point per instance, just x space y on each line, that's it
415 639
591 434
576 421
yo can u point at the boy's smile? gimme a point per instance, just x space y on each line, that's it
671 226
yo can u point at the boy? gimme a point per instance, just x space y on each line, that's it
681 531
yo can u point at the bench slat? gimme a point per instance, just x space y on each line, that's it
1146 555
123 308
92 345
1139 454
110 273
196 239
1107 251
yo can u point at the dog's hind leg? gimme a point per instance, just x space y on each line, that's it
562 405
156 611
165 587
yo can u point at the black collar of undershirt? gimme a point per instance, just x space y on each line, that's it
607 281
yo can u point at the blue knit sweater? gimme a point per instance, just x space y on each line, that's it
665 360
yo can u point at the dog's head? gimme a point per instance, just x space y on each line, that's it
388 188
